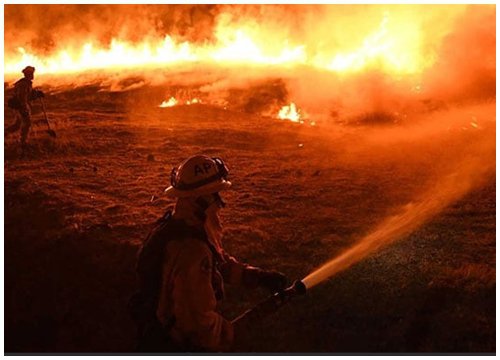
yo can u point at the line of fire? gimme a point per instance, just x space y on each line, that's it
249 179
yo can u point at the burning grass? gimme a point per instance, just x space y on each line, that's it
387 39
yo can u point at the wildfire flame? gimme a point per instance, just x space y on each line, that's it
394 45
290 112
193 101
173 102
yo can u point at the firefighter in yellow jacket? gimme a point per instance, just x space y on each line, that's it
195 268
23 95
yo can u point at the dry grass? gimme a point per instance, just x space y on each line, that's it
77 208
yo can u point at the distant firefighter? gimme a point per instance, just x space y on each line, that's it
183 267
23 95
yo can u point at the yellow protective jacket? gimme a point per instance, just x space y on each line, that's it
192 287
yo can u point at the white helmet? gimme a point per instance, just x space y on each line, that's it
199 175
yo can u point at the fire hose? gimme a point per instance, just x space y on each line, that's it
272 303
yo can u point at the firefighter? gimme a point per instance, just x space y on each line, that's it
196 267
23 95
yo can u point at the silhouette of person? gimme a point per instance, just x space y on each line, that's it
23 95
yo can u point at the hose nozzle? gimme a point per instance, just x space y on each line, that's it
300 287
274 302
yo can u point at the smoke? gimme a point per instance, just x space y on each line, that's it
47 28
459 42
464 71
466 64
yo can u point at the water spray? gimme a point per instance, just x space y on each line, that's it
410 218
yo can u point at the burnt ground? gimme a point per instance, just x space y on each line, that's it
77 208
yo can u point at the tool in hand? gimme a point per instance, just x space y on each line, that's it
49 130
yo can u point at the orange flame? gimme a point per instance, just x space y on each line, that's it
193 101
174 102
290 112
394 46
171 102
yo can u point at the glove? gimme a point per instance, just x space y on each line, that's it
273 280
37 94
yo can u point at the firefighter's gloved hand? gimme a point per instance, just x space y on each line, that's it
37 94
273 280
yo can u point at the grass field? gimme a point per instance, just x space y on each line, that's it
78 207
